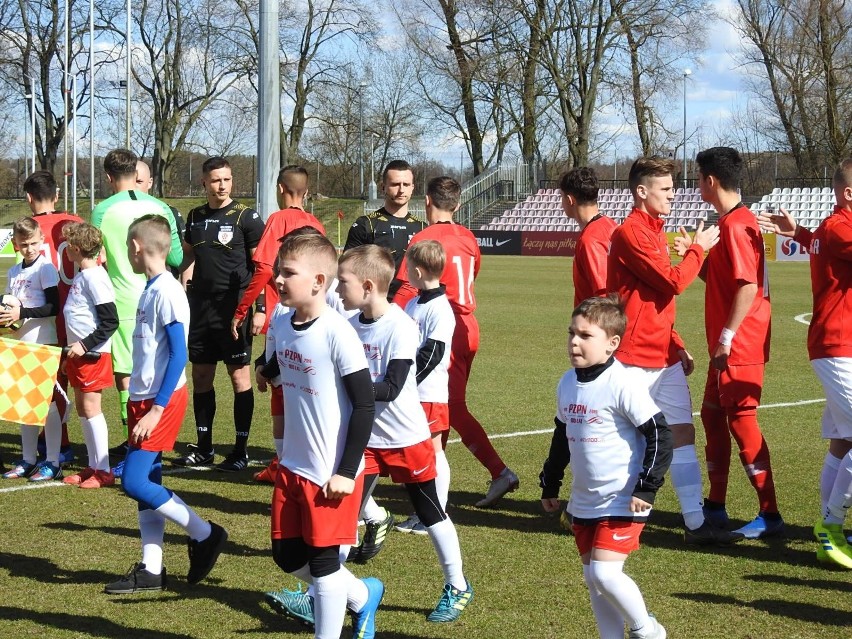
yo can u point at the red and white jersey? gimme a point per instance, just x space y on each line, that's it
640 271
738 257
435 320
394 335
163 301
460 271
91 287
830 246
607 449
313 360
590 258
28 284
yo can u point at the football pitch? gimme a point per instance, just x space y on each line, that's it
60 545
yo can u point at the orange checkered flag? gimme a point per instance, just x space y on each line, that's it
27 377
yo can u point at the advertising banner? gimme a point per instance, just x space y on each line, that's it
549 243
786 250
499 242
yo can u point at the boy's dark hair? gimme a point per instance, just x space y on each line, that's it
25 227
605 312
581 183
120 163
724 164
649 167
843 173
41 186
315 246
371 262
396 165
211 164
85 237
427 255
153 232
293 179
444 192
302 230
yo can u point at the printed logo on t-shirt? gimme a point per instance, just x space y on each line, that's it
226 234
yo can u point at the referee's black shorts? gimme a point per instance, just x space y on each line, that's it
210 340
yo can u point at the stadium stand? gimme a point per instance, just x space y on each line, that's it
809 206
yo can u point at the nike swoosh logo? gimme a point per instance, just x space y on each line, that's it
499 243
432 422
618 537
420 472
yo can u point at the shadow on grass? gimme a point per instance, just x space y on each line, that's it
797 610
91 626
45 571
798 582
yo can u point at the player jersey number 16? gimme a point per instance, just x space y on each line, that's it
465 279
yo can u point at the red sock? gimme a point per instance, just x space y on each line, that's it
754 454
474 437
717 451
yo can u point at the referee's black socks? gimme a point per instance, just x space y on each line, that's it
204 408
243 414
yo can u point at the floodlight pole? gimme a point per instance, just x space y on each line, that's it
92 103
65 113
127 125
361 88
686 73
268 111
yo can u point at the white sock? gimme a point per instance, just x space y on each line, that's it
97 442
841 493
609 620
176 511
53 434
446 542
330 605
826 480
442 481
356 590
686 479
374 512
152 527
621 591
279 447
29 443
304 573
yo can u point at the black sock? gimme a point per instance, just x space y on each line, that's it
243 414
204 407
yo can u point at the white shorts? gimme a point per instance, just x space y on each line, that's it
670 392
835 374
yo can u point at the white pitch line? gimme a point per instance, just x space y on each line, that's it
522 433
803 318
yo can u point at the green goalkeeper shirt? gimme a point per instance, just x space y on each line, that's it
113 217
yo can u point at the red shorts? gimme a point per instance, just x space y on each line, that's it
408 465
299 509
735 387
464 347
90 376
617 536
164 435
438 416
276 400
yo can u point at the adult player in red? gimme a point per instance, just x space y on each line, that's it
830 352
463 259
737 321
292 190
42 195
579 189
641 272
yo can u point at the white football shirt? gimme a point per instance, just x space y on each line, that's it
394 335
607 449
435 320
313 362
277 313
162 302
28 284
90 287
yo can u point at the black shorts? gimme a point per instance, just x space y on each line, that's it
210 340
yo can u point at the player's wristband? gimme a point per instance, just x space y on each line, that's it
727 337
259 308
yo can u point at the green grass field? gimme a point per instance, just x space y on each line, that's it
59 545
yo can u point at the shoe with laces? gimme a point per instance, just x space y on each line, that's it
708 535
652 630
137 579
412 525
296 604
451 604
364 621
374 538
234 462
267 475
79 478
506 482
100 479
203 554
833 543
763 526
194 458
45 471
21 470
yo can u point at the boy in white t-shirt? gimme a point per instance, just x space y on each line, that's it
620 448
434 316
29 308
155 412
328 411
400 444
90 320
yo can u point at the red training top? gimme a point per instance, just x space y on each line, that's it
590 258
